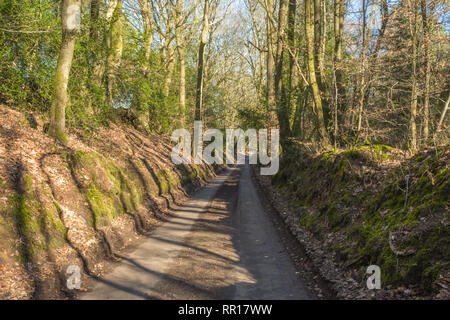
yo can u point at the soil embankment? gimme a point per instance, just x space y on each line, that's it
372 205
80 203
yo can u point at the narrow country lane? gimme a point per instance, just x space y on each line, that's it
220 244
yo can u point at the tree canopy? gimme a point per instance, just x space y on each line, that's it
331 72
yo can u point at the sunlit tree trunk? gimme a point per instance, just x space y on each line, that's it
280 94
96 39
339 7
201 63
412 121
444 112
293 76
319 33
169 69
320 121
318 38
182 99
426 106
146 12
270 62
169 52
362 71
115 50
282 22
111 7
181 47
70 20
323 23
261 88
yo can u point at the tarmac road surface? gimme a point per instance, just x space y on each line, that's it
220 244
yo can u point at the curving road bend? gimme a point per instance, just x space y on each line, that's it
220 244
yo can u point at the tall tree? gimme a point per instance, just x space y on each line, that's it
115 49
318 110
181 48
169 50
283 118
70 21
426 40
201 62
292 82
413 111
366 32
270 61
339 8
146 12
318 41
96 39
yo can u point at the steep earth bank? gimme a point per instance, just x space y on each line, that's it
369 205
81 203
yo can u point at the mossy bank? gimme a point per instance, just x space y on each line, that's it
80 203
375 205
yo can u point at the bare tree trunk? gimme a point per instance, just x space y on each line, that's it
146 11
363 82
444 111
261 69
282 22
115 50
339 7
320 121
280 94
70 18
169 51
318 38
426 106
270 59
95 36
201 64
182 56
362 70
169 70
112 4
182 98
318 57
412 121
95 15
293 76
323 23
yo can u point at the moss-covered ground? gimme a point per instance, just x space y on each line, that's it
388 210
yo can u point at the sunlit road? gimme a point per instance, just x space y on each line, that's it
220 244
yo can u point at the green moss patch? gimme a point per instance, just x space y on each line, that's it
39 228
356 194
112 190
